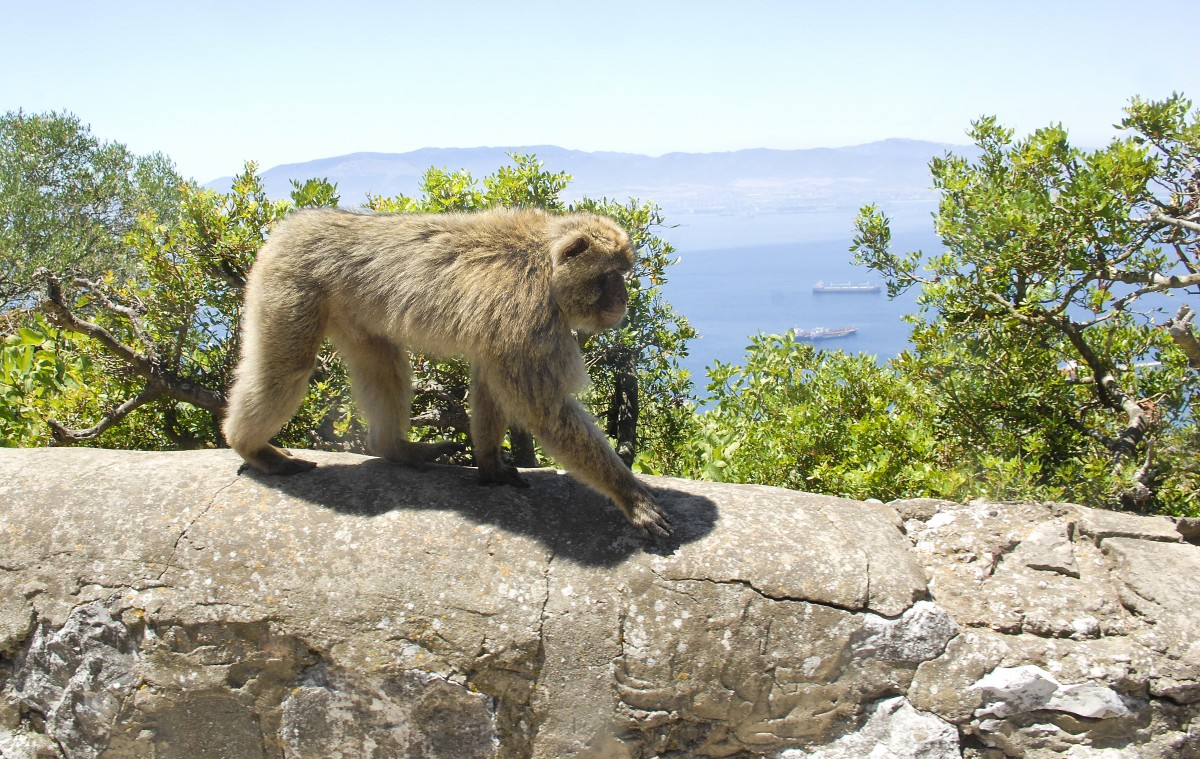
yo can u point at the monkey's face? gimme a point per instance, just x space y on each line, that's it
612 299
590 265
594 302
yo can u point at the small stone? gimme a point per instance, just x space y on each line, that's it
894 729
1093 701
1012 690
1048 548
918 635
1101 524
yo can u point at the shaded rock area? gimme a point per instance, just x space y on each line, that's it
164 605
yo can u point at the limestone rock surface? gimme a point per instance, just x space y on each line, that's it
165 605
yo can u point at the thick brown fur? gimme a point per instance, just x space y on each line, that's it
504 289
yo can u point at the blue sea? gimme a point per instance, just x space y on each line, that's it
741 275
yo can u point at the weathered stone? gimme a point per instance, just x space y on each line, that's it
817 550
1100 525
24 745
334 716
16 622
1048 547
1015 691
1012 690
918 635
542 601
942 686
1153 588
984 575
1087 700
1022 607
77 678
160 604
206 725
895 730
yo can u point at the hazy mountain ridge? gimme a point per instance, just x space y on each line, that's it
738 182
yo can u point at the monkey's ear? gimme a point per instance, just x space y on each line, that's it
569 247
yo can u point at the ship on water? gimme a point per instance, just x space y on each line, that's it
824 333
845 287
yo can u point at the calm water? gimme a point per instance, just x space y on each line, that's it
737 290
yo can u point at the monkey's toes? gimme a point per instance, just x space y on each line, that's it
506 476
272 460
426 452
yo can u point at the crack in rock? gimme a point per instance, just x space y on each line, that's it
169 563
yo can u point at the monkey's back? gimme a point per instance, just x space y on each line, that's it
469 284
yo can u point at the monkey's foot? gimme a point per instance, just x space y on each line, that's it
272 460
502 475
644 514
417 455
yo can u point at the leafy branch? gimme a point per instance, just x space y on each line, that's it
144 361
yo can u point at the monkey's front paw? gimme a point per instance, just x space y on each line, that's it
505 475
645 514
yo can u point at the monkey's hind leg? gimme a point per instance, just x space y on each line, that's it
272 379
381 379
488 423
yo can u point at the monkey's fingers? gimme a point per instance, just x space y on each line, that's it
651 520
658 528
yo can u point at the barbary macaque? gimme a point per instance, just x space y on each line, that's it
503 289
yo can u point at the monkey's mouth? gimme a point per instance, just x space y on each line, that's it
612 317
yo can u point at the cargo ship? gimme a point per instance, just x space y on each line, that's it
824 333
845 287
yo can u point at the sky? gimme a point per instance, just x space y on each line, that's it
214 84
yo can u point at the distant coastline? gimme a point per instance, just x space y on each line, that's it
892 172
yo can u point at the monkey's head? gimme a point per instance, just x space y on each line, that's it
590 256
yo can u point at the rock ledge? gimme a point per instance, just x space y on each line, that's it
163 605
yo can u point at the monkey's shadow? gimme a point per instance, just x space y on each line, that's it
577 523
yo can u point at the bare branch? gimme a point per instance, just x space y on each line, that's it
1183 223
61 314
1141 492
1110 392
133 315
189 392
1179 327
1154 282
1012 310
64 436
431 387
454 418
